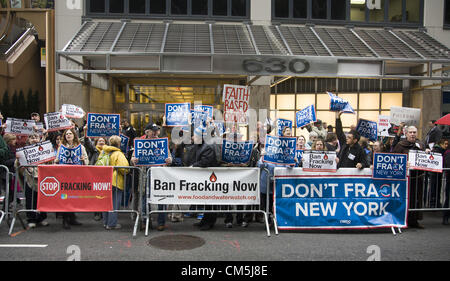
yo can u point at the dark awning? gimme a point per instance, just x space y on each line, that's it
244 49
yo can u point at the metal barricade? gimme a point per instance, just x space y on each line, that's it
429 191
149 212
4 211
132 192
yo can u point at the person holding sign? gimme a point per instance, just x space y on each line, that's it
351 154
70 140
416 177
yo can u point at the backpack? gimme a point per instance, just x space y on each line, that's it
103 159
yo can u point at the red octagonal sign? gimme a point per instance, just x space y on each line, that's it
49 186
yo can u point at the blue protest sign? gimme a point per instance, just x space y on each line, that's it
124 143
103 125
236 152
198 118
306 116
389 166
299 156
151 152
280 150
367 129
348 199
70 156
207 109
339 104
177 114
281 124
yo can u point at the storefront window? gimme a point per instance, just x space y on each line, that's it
413 11
369 101
238 8
200 7
391 99
179 7
281 8
395 10
358 10
338 9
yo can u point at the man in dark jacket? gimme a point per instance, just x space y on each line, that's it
205 157
351 154
416 177
433 136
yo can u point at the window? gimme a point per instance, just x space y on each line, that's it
200 7
116 6
447 13
137 7
179 7
157 6
338 9
238 8
281 8
300 9
376 12
97 6
220 7
319 9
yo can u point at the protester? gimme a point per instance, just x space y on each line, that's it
416 176
129 131
319 129
70 140
351 154
312 137
30 174
332 142
117 159
377 147
433 136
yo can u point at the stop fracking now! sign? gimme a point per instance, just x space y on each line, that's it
74 188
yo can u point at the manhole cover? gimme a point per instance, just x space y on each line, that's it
176 242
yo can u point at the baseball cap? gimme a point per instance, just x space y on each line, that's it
152 127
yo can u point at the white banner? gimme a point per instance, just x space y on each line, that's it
20 127
56 121
419 160
36 153
72 111
410 116
319 161
383 125
204 186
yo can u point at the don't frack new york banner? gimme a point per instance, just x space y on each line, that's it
349 198
236 152
280 150
103 125
151 152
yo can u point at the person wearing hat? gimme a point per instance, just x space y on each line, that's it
319 129
152 131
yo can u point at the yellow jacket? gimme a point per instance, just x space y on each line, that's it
117 159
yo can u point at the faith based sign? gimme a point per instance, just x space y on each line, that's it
236 103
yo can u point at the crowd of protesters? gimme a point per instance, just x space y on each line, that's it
352 151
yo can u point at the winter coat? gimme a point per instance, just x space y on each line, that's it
117 158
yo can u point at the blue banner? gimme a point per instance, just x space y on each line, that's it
339 104
198 118
103 125
177 114
280 150
151 152
306 116
124 143
346 199
281 124
70 156
389 166
299 156
236 152
207 109
367 129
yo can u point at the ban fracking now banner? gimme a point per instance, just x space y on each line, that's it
319 161
420 160
36 153
19 127
72 111
151 152
103 125
205 186
55 121
349 198
72 188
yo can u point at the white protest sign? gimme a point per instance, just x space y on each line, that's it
20 127
205 186
36 153
236 103
410 116
383 125
56 121
420 160
319 161
72 111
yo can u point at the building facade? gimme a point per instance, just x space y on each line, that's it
133 56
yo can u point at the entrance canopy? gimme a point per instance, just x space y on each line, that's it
244 49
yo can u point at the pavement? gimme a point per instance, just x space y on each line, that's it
91 242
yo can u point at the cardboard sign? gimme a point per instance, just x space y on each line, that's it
389 166
19 127
205 186
280 150
177 114
236 103
151 152
103 125
56 121
70 156
410 116
306 116
236 152
64 188
349 198
35 154
367 129
319 161
383 125
420 160
72 111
